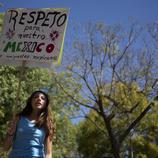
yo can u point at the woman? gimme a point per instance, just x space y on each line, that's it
30 133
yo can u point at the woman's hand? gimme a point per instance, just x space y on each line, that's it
10 133
48 147
12 126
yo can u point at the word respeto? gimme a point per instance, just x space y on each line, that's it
39 18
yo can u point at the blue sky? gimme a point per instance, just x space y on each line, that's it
82 11
109 11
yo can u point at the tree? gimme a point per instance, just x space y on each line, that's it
65 145
96 132
108 56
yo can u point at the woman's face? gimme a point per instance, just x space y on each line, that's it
38 101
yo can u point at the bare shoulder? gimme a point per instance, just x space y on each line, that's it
16 118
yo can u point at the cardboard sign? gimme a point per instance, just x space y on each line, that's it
35 36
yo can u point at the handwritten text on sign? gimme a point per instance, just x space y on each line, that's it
33 34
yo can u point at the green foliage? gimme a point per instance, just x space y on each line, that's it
65 142
141 156
34 79
130 104
93 141
63 84
146 140
146 148
118 77
1 20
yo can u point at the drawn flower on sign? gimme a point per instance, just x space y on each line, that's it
10 33
54 35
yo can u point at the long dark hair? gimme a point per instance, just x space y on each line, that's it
45 118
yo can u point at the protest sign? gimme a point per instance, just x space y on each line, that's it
35 36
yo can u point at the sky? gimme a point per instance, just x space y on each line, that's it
82 11
109 11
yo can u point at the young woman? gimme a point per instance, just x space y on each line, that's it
30 133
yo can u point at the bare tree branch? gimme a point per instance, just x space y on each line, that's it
73 98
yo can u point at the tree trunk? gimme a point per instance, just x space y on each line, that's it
116 151
114 143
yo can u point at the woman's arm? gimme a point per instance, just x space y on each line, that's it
48 147
10 133
8 142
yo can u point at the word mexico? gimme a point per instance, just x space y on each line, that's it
28 47
37 18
